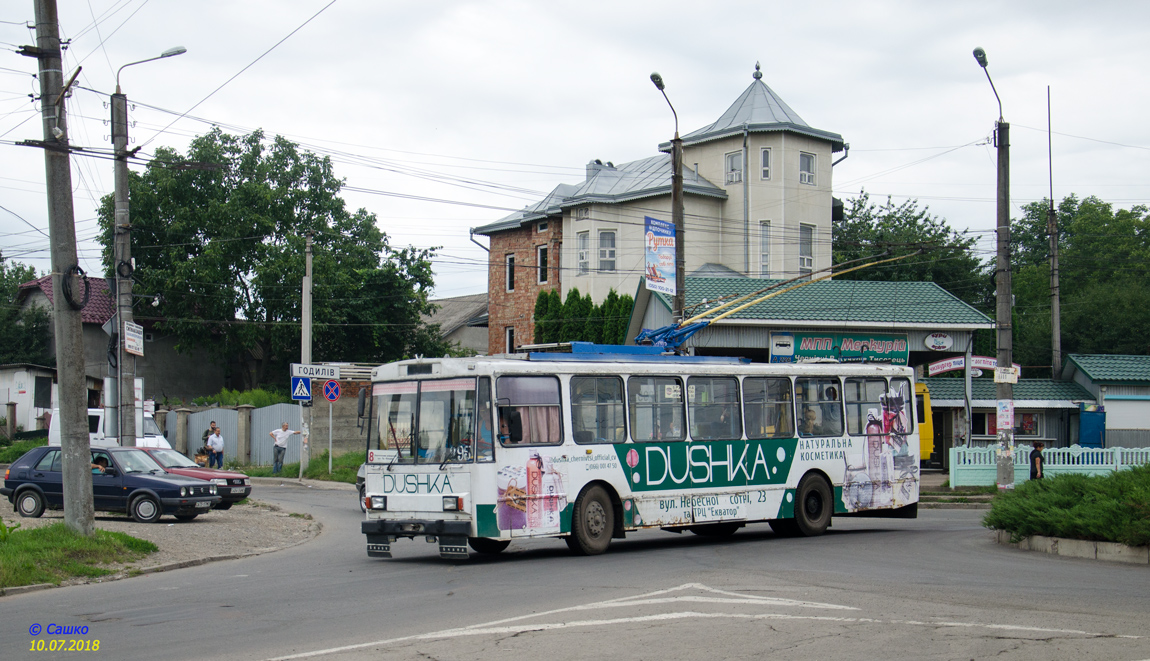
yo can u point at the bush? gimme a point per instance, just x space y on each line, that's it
19 449
1111 508
258 398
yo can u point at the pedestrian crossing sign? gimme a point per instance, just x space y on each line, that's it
301 388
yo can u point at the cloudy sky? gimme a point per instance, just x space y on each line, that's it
448 115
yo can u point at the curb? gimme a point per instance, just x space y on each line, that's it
1079 548
171 566
306 484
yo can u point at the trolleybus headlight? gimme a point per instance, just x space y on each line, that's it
377 502
452 503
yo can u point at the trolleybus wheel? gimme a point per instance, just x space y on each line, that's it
814 505
487 546
593 522
716 529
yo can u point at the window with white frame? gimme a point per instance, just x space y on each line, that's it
510 272
541 260
765 162
583 243
509 339
806 249
542 227
734 167
806 168
765 248
606 251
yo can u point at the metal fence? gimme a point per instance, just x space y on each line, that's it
265 420
976 467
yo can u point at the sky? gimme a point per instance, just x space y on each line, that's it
443 116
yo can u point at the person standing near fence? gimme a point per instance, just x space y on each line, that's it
1037 462
216 448
281 438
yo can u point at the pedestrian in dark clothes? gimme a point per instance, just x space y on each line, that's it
1037 463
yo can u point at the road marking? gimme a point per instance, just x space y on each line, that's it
505 626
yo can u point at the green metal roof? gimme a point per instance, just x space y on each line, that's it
1025 390
852 301
1100 367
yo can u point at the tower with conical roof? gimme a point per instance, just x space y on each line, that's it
776 170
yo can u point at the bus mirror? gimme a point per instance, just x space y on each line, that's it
362 401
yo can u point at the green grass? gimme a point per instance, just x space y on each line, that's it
19 448
55 553
1111 508
343 468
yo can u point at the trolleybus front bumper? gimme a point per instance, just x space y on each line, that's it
451 535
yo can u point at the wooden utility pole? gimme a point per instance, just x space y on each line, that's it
69 287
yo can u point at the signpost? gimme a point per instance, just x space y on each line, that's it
133 338
331 392
301 389
315 371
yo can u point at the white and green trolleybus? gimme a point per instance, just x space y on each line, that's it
592 444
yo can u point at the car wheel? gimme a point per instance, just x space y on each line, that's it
186 517
145 509
488 546
593 522
363 506
224 506
814 505
30 503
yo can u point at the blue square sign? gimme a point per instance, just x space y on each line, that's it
301 388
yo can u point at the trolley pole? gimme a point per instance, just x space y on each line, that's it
68 283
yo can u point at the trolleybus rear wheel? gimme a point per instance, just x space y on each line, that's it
814 505
593 522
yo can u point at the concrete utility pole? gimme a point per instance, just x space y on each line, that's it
68 284
305 359
1052 230
1004 384
122 264
678 301
122 257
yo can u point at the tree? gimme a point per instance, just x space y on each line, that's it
542 315
869 230
1103 286
593 328
24 334
219 236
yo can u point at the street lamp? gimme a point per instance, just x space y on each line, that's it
677 302
122 260
1004 376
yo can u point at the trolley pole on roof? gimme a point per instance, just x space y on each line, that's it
1004 375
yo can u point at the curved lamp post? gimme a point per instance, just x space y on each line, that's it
677 302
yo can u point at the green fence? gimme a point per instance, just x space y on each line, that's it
978 467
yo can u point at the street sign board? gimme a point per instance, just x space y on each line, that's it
1006 375
300 388
331 390
315 371
133 338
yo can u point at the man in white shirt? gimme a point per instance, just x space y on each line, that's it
281 438
216 445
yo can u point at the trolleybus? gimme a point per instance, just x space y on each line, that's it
591 445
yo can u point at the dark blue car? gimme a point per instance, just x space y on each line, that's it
123 480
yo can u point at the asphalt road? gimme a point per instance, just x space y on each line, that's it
932 588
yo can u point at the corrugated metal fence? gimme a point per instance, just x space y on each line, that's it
264 421
227 420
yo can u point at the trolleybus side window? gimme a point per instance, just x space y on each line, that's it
656 408
529 410
713 404
597 409
864 407
768 408
820 410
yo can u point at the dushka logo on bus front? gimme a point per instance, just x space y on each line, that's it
416 483
711 464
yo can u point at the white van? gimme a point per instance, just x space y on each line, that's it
147 436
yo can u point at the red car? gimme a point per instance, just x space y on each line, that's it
231 486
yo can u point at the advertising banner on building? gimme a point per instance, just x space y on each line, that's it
659 250
847 347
